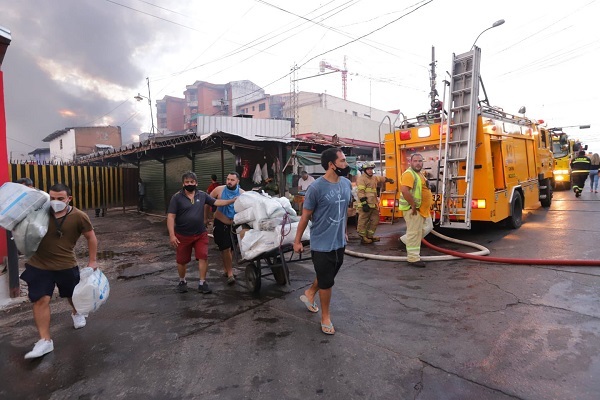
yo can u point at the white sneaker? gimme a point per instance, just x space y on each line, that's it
42 347
78 320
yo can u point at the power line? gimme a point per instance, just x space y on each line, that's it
339 47
257 41
18 141
155 16
91 122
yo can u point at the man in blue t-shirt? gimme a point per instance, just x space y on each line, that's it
326 202
185 222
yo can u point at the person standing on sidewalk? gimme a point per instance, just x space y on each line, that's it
141 194
326 203
368 210
54 264
594 172
224 220
185 222
415 204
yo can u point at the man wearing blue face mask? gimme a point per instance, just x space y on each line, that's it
54 264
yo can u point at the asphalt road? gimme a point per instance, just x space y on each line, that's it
457 329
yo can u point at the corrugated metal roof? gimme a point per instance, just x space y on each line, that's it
248 128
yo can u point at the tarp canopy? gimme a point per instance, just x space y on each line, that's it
307 158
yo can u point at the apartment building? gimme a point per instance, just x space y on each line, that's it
204 99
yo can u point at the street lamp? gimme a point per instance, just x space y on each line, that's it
560 128
495 24
139 97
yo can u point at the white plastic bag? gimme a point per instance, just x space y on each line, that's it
16 201
28 233
91 292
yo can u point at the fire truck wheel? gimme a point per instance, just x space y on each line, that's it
547 202
516 218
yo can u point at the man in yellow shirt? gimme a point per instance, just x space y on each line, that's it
415 205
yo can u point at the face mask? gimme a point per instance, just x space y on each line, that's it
57 205
190 188
341 171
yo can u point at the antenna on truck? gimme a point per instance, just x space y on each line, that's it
435 103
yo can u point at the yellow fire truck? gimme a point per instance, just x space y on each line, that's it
564 149
489 167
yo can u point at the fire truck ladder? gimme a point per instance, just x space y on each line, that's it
459 146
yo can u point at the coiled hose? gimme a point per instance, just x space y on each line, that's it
478 255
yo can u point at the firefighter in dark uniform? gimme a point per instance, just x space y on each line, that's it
580 168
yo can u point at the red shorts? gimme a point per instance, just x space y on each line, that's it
186 243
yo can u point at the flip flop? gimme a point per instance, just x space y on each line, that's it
327 329
312 307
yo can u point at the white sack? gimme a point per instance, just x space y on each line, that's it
16 201
256 243
243 217
289 234
28 233
287 206
246 200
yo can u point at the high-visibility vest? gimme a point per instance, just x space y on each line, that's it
416 191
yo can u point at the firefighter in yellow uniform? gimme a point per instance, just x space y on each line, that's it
415 204
368 208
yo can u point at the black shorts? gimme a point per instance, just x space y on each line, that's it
327 265
222 235
41 282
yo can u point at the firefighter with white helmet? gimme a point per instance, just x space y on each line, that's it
368 208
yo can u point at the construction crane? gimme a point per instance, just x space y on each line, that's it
323 65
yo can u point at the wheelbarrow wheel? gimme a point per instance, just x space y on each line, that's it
277 267
253 276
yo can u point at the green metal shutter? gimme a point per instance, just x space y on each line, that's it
209 163
151 172
175 168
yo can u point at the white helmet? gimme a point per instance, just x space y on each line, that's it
367 164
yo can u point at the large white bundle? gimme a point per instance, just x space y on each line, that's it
287 235
254 199
287 206
28 233
16 201
245 201
243 217
257 242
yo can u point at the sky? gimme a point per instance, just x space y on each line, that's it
81 62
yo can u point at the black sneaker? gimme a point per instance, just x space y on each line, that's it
231 280
182 287
204 289
417 264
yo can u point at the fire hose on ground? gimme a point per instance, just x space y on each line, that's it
480 255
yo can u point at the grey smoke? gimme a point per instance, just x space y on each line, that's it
96 37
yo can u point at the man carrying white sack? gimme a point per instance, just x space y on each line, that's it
54 264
